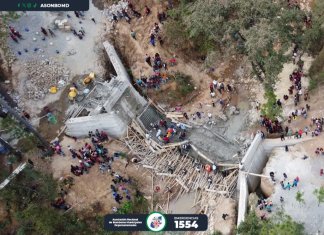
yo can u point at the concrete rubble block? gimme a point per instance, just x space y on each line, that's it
41 75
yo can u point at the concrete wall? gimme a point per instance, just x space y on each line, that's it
244 197
121 72
254 161
108 122
123 103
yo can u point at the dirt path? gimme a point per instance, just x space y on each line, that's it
134 52
94 187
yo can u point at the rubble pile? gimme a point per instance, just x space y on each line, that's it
42 74
108 12
63 24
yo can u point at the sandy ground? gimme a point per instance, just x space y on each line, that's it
284 83
226 206
88 50
291 163
95 186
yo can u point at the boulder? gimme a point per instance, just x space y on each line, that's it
267 187
253 200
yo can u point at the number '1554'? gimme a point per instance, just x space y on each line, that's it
186 224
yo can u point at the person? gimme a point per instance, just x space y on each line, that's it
30 162
224 216
93 19
160 40
51 32
272 176
286 148
44 31
182 135
148 59
295 182
285 176
115 18
214 167
158 133
282 137
152 39
281 199
209 180
26 115
282 184
133 34
279 103
147 10
307 107
127 163
288 186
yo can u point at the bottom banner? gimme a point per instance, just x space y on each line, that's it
156 222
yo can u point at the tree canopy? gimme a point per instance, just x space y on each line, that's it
263 30
279 224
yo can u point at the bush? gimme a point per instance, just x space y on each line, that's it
184 86
271 109
316 71
279 224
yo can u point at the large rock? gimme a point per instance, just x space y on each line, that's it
267 187
253 200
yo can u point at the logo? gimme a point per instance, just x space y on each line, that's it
155 222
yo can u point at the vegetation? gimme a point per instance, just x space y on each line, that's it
27 141
316 71
300 197
262 30
184 86
319 193
270 108
27 199
280 224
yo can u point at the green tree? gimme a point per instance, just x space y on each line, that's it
263 30
300 197
270 108
252 225
319 193
279 224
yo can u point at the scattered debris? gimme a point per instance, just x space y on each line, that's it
42 75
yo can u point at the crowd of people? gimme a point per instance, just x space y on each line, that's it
166 132
89 155
159 75
295 91
49 32
159 67
265 204
289 185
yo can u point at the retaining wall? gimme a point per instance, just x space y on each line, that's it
254 161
